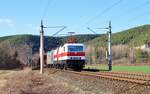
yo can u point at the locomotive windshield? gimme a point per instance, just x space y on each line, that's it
75 48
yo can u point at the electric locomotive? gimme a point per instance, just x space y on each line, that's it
67 56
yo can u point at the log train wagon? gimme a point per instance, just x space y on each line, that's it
68 56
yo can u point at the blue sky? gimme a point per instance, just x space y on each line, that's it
23 16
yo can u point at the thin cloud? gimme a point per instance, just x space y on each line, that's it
7 22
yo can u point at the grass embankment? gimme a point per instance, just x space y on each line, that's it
4 74
141 69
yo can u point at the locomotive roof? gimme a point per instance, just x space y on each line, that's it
73 44
67 44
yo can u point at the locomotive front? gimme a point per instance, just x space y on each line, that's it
70 55
75 52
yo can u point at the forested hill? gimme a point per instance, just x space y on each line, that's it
18 49
134 37
50 42
124 49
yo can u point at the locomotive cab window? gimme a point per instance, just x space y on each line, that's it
75 48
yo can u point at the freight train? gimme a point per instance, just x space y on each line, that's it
67 56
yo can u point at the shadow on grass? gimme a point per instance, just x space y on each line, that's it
95 70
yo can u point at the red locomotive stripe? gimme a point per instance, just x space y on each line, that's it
69 54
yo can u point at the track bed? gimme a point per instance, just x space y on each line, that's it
102 85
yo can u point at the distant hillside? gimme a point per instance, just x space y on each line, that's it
124 46
17 49
135 36
50 42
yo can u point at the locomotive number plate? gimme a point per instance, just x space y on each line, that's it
75 58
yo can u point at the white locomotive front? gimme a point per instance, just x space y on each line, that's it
70 55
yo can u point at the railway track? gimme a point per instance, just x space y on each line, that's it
142 79
137 76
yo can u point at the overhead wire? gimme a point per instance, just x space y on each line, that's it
137 17
137 8
103 12
59 31
44 14
46 9
91 30
129 11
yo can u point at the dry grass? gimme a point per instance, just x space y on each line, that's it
4 74
29 82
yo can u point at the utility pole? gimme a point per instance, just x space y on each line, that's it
109 48
109 53
42 43
41 47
